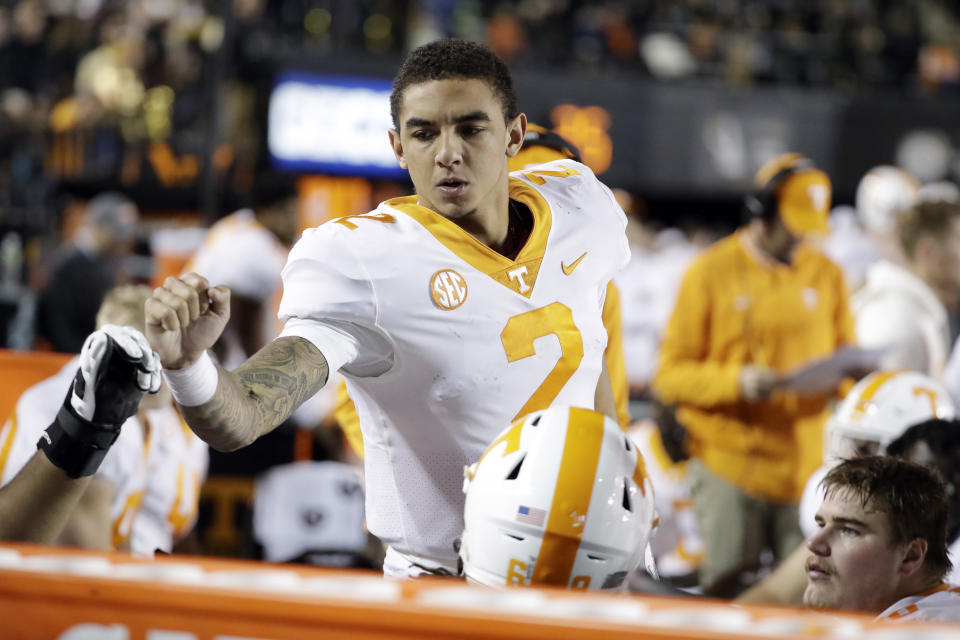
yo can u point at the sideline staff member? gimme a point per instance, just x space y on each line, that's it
752 307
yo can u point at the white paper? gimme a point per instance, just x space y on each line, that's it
824 375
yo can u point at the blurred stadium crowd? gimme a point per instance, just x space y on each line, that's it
144 67
98 96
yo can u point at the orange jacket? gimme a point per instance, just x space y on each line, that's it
736 307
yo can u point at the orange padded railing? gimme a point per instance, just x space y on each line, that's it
47 592
20 370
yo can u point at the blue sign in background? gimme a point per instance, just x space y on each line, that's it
321 123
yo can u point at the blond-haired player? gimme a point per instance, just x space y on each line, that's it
114 369
904 306
140 468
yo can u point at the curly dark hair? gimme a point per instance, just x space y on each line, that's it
453 58
912 496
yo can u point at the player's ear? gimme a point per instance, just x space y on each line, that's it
397 147
915 553
516 130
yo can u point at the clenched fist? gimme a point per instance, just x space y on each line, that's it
185 317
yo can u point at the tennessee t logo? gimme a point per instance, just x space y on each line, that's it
517 275
568 268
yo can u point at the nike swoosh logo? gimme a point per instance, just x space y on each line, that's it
568 268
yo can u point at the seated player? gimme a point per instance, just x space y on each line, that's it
114 369
881 542
560 498
677 547
177 462
148 485
877 410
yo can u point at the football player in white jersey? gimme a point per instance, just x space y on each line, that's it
68 491
540 145
857 242
874 413
176 467
152 472
451 312
678 546
881 542
903 307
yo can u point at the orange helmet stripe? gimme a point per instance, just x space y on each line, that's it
872 388
640 472
511 437
571 498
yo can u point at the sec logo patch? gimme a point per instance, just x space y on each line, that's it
448 289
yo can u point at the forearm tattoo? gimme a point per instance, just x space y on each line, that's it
260 394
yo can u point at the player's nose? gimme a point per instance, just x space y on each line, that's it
449 149
818 543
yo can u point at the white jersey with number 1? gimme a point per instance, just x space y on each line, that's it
444 342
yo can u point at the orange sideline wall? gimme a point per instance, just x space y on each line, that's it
66 594
20 370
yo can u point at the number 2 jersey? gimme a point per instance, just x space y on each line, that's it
444 342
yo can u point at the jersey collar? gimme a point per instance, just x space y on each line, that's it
518 275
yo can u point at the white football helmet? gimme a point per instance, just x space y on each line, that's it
882 193
879 409
559 498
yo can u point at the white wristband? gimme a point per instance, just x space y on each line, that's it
195 384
